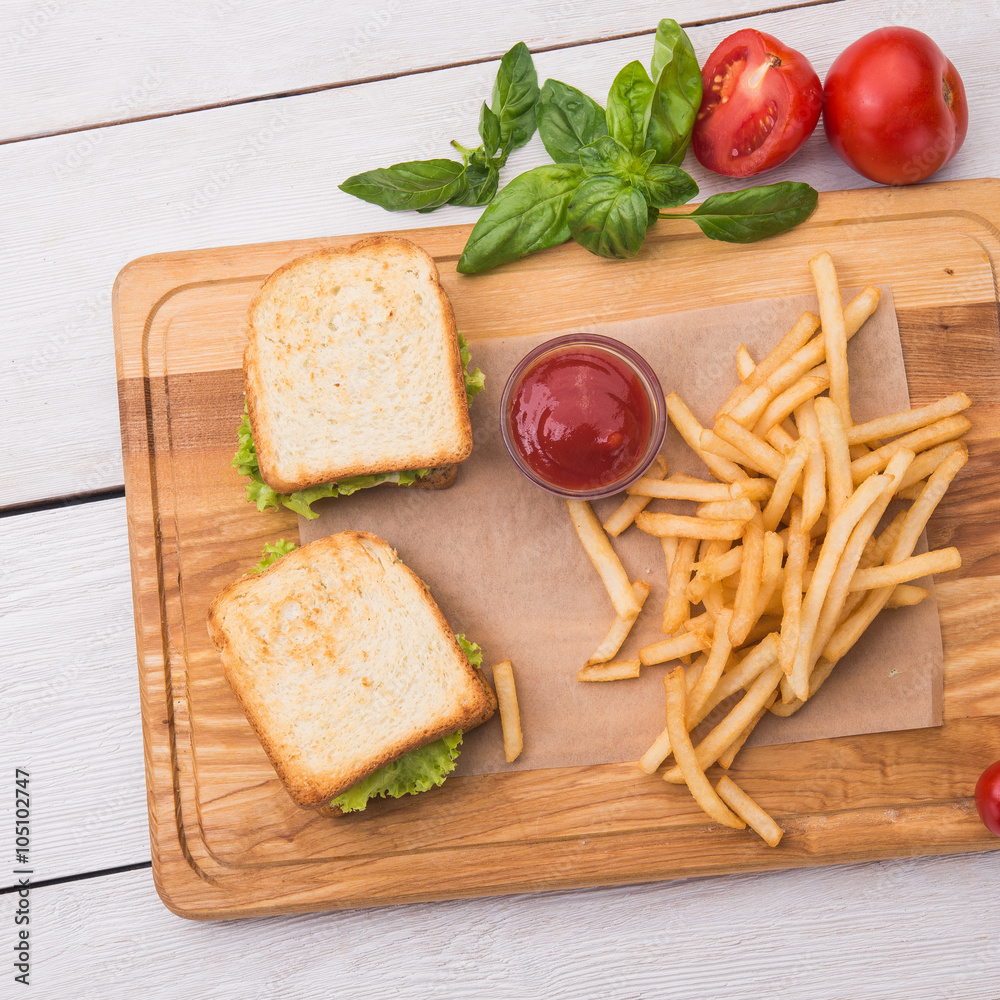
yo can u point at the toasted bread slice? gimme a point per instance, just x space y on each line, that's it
352 367
342 662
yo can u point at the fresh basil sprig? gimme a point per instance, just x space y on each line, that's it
423 185
614 177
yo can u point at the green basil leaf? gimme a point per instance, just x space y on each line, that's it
567 120
417 184
608 217
609 156
676 93
515 94
489 129
629 106
479 182
755 213
529 214
669 186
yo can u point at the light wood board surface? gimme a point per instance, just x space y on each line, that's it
226 839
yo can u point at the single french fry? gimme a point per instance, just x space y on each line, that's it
926 462
797 337
510 718
905 595
604 558
908 420
691 430
780 439
834 543
745 365
711 673
677 608
683 526
814 475
674 489
912 568
770 574
728 755
727 510
750 576
835 603
848 633
674 647
619 631
753 489
660 749
739 717
946 429
835 452
758 819
785 484
712 444
808 387
632 504
615 670
756 449
684 754
831 313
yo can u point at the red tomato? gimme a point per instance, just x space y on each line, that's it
761 101
988 798
894 107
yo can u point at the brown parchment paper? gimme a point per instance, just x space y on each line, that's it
502 560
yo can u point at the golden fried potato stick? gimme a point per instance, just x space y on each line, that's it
678 489
839 485
603 556
808 387
674 647
919 440
912 568
510 718
745 365
619 631
683 526
711 673
728 755
837 537
760 453
814 476
758 819
687 762
926 462
727 510
677 608
616 670
831 313
750 577
632 504
785 484
908 420
691 430
848 633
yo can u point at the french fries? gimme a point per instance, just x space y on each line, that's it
510 717
783 551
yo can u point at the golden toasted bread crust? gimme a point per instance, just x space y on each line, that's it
287 465
386 676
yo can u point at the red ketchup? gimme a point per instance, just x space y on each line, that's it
580 418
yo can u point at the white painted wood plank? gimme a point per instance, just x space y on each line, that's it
69 702
924 930
67 65
79 206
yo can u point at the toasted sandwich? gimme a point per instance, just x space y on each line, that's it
355 375
348 672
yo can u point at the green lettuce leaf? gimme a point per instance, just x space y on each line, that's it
301 501
272 553
416 771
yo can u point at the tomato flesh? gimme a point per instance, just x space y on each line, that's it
988 798
894 107
761 101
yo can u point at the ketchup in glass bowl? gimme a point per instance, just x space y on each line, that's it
583 416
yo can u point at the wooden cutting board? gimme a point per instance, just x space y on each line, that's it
227 841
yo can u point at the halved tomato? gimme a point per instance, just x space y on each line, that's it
761 101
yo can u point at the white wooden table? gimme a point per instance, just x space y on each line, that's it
135 128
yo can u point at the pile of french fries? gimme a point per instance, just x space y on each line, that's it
784 554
